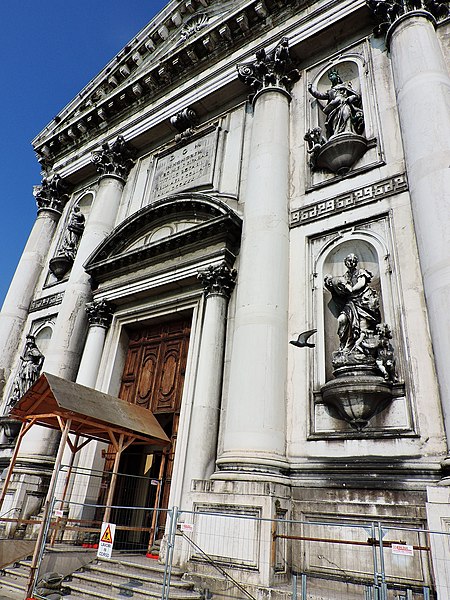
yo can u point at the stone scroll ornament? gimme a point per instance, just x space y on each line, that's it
30 368
274 69
364 364
386 12
115 158
342 143
63 261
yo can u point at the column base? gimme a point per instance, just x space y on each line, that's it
254 464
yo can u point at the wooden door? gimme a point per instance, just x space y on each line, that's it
153 378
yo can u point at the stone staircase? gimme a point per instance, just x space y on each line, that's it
135 577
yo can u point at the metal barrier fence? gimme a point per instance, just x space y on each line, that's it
232 552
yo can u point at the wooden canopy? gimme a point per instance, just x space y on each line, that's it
93 414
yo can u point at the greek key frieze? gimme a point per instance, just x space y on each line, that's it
46 302
352 199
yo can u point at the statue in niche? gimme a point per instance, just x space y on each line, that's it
357 305
363 340
73 234
62 262
343 143
29 371
343 108
364 363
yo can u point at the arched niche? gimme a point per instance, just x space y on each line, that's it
373 256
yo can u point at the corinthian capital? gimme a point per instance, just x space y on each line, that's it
99 313
116 158
52 194
273 69
388 11
218 280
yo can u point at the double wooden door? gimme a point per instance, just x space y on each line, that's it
153 378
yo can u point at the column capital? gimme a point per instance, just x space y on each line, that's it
52 194
273 70
99 313
389 12
114 159
218 280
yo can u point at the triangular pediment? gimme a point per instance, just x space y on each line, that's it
183 38
177 225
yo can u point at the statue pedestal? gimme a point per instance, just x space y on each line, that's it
60 265
357 398
341 152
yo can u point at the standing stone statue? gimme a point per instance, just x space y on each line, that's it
356 304
29 371
343 108
72 234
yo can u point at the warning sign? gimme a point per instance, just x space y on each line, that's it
105 545
402 549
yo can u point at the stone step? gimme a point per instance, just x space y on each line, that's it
117 591
149 577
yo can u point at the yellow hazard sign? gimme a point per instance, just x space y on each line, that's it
107 535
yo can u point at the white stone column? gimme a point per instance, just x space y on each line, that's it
50 198
64 353
422 86
84 487
255 422
99 314
218 282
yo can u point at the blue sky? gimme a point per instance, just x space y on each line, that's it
51 50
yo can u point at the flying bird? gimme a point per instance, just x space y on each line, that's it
302 340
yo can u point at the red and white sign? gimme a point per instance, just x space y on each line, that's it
187 527
106 542
402 549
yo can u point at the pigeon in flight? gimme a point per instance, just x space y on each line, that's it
302 340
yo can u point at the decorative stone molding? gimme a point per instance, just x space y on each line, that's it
52 194
270 70
184 122
115 158
218 280
99 313
387 12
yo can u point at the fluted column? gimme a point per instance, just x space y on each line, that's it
114 163
50 198
218 282
254 433
422 86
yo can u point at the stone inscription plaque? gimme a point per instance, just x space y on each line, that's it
185 168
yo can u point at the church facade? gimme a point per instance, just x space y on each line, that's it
243 226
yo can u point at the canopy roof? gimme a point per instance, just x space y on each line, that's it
93 414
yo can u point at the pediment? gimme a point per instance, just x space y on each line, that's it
178 225
185 37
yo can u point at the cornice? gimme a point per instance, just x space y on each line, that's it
83 129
